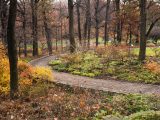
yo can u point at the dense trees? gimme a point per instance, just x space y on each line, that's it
85 23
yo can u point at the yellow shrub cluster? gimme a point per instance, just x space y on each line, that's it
4 70
27 73
42 73
153 67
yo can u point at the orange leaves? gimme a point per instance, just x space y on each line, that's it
153 66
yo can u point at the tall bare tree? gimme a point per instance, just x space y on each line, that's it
71 26
12 48
106 35
97 21
4 19
34 6
142 52
118 27
79 21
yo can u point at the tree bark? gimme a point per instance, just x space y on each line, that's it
79 21
97 22
24 31
12 48
3 18
142 52
71 26
47 33
106 35
89 22
34 27
118 29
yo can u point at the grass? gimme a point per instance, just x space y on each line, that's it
149 51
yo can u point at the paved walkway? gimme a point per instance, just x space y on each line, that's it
98 84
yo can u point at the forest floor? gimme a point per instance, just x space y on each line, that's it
110 84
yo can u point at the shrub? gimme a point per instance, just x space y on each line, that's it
4 71
153 67
42 74
147 115
128 104
27 74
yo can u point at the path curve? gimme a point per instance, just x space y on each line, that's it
97 84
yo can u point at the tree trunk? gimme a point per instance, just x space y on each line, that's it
12 48
71 26
24 31
106 35
89 23
97 22
34 27
85 29
118 30
142 52
3 18
79 21
47 33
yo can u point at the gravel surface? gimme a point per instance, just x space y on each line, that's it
98 84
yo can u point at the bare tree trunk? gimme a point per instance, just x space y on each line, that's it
106 35
142 52
34 26
56 38
71 26
61 35
24 31
12 48
85 28
97 22
47 33
3 18
89 23
79 21
117 2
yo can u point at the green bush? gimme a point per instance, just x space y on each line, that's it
104 62
129 104
147 115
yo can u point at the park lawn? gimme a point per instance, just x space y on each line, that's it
149 51
59 102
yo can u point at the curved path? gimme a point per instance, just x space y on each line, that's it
98 84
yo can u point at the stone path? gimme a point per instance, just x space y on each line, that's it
98 84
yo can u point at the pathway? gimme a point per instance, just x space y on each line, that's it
98 84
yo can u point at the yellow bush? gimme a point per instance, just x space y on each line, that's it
27 73
42 73
4 71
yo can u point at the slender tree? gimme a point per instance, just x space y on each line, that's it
79 21
142 52
3 19
97 21
12 49
106 22
118 27
89 21
34 6
71 26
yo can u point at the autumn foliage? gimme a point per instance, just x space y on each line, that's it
153 67
27 74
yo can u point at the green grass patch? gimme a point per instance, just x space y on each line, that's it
91 64
149 51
